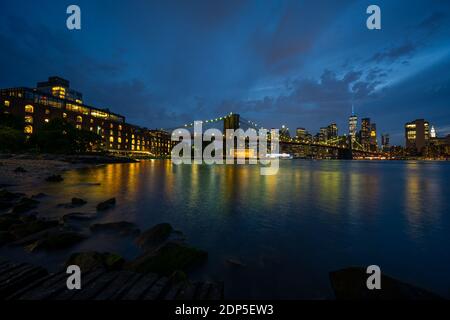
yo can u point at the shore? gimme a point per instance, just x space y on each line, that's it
29 169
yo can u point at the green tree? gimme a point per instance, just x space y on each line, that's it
60 136
12 138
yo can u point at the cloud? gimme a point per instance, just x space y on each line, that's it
393 54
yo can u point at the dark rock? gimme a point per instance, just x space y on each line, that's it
7 196
168 258
20 170
54 178
154 237
78 202
5 237
122 227
105 205
78 216
20 231
38 196
56 241
75 202
350 284
89 261
24 205
8 220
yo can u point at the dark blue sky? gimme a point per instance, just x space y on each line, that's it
299 63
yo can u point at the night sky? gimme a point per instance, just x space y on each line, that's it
299 63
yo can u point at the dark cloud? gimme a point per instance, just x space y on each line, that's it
395 53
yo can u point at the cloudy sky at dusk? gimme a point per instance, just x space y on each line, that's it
299 63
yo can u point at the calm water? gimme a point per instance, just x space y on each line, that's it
290 230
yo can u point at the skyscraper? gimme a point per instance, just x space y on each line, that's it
365 133
373 137
332 131
352 125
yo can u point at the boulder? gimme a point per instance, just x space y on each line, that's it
105 205
75 202
56 241
88 261
22 230
25 205
121 227
38 196
8 220
8 199
167 259
154 237
77 216
78 202
54 178
350 284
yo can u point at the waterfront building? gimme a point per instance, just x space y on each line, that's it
373 142
365 133
55 99
332 131
301 133
385 142
417 134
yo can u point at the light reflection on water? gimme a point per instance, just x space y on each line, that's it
289 230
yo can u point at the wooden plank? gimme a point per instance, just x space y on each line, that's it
187 292
216 291
23 278
40 282
130 283
202 291
95 287
5 266
140 286
86 280
17 268
156 290
173 291
115 286
47 289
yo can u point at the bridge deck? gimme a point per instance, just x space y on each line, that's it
22 281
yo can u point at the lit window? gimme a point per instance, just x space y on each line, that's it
120 127
29 108
28 119
92 120
28 129
91 128
47 111
78 126
7 103
79 119
111 139
132 141
64 115
47 120
111 126
119 140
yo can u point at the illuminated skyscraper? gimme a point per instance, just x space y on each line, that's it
352 126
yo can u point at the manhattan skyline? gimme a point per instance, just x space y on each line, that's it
301 64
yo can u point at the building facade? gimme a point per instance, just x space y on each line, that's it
55 99
417 134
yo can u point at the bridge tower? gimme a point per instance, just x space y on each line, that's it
231 122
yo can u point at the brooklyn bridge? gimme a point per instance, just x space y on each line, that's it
341 147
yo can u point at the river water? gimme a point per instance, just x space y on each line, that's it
288 230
